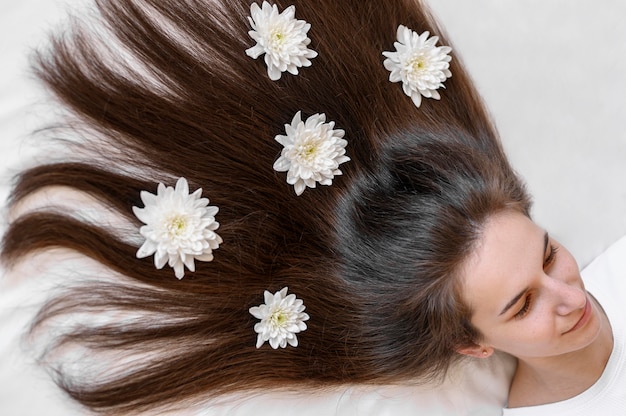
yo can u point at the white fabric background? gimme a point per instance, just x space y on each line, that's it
553 76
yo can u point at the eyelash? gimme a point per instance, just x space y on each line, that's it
551 256
527 302
525 308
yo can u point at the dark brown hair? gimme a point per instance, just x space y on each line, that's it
167 91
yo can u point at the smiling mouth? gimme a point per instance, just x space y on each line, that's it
583 318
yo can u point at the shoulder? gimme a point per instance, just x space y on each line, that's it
605 277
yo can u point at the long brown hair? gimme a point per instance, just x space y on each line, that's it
167 91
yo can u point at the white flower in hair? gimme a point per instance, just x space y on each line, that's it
180 227
312 152
419 64
282 317
281 37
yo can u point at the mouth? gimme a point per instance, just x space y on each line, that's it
584 318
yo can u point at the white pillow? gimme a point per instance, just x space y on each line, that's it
477 387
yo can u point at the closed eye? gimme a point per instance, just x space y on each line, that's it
525 308
549 260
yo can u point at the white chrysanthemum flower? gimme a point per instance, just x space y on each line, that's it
180 227
419 64
281 37
282 317
312 152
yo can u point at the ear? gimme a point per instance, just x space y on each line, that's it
474 350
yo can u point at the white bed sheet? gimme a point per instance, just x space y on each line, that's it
552 74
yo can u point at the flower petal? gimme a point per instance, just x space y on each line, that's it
421 66
281 37
312 151
281 318
179 227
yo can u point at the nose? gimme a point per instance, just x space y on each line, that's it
568 297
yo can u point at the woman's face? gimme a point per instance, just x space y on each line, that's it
526 293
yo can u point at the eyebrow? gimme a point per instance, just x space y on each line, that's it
517 297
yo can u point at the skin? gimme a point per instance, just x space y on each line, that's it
529 300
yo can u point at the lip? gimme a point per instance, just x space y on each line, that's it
584 318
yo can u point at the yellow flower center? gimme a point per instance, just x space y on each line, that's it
417 64
176 226
307 152
279 318
277 38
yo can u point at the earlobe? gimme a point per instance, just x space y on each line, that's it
477 351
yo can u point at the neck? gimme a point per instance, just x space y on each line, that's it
548 380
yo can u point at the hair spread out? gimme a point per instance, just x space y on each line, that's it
161 89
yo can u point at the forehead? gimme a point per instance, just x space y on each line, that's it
507 257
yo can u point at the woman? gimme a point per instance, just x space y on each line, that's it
530 301
378 256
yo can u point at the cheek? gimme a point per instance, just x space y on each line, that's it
528 335
539 324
